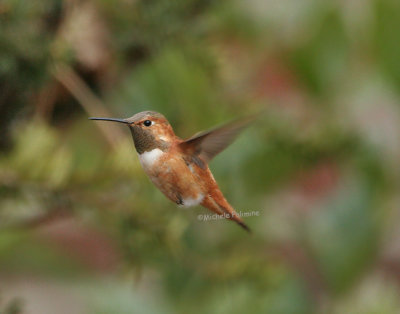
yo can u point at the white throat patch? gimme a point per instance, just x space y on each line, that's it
147 159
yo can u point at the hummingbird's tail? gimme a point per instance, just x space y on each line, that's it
217 203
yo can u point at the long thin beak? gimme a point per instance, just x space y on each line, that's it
112 119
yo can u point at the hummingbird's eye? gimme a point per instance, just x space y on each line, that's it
147 123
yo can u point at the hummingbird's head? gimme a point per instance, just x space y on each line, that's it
150 130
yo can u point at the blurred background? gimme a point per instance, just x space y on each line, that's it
82 229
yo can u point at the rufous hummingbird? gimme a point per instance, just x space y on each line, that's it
179 168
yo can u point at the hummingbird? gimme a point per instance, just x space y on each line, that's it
179 168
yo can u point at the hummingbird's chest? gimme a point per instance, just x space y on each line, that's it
179 181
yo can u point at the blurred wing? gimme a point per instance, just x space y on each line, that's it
208 144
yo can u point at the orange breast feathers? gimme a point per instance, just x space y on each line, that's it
181 181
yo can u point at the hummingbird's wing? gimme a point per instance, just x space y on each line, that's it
208 144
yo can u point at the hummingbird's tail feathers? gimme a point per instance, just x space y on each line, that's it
244 226
232 215
220 206
209 203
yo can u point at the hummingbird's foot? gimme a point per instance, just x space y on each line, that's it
179 200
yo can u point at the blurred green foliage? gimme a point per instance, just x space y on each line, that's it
78 214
